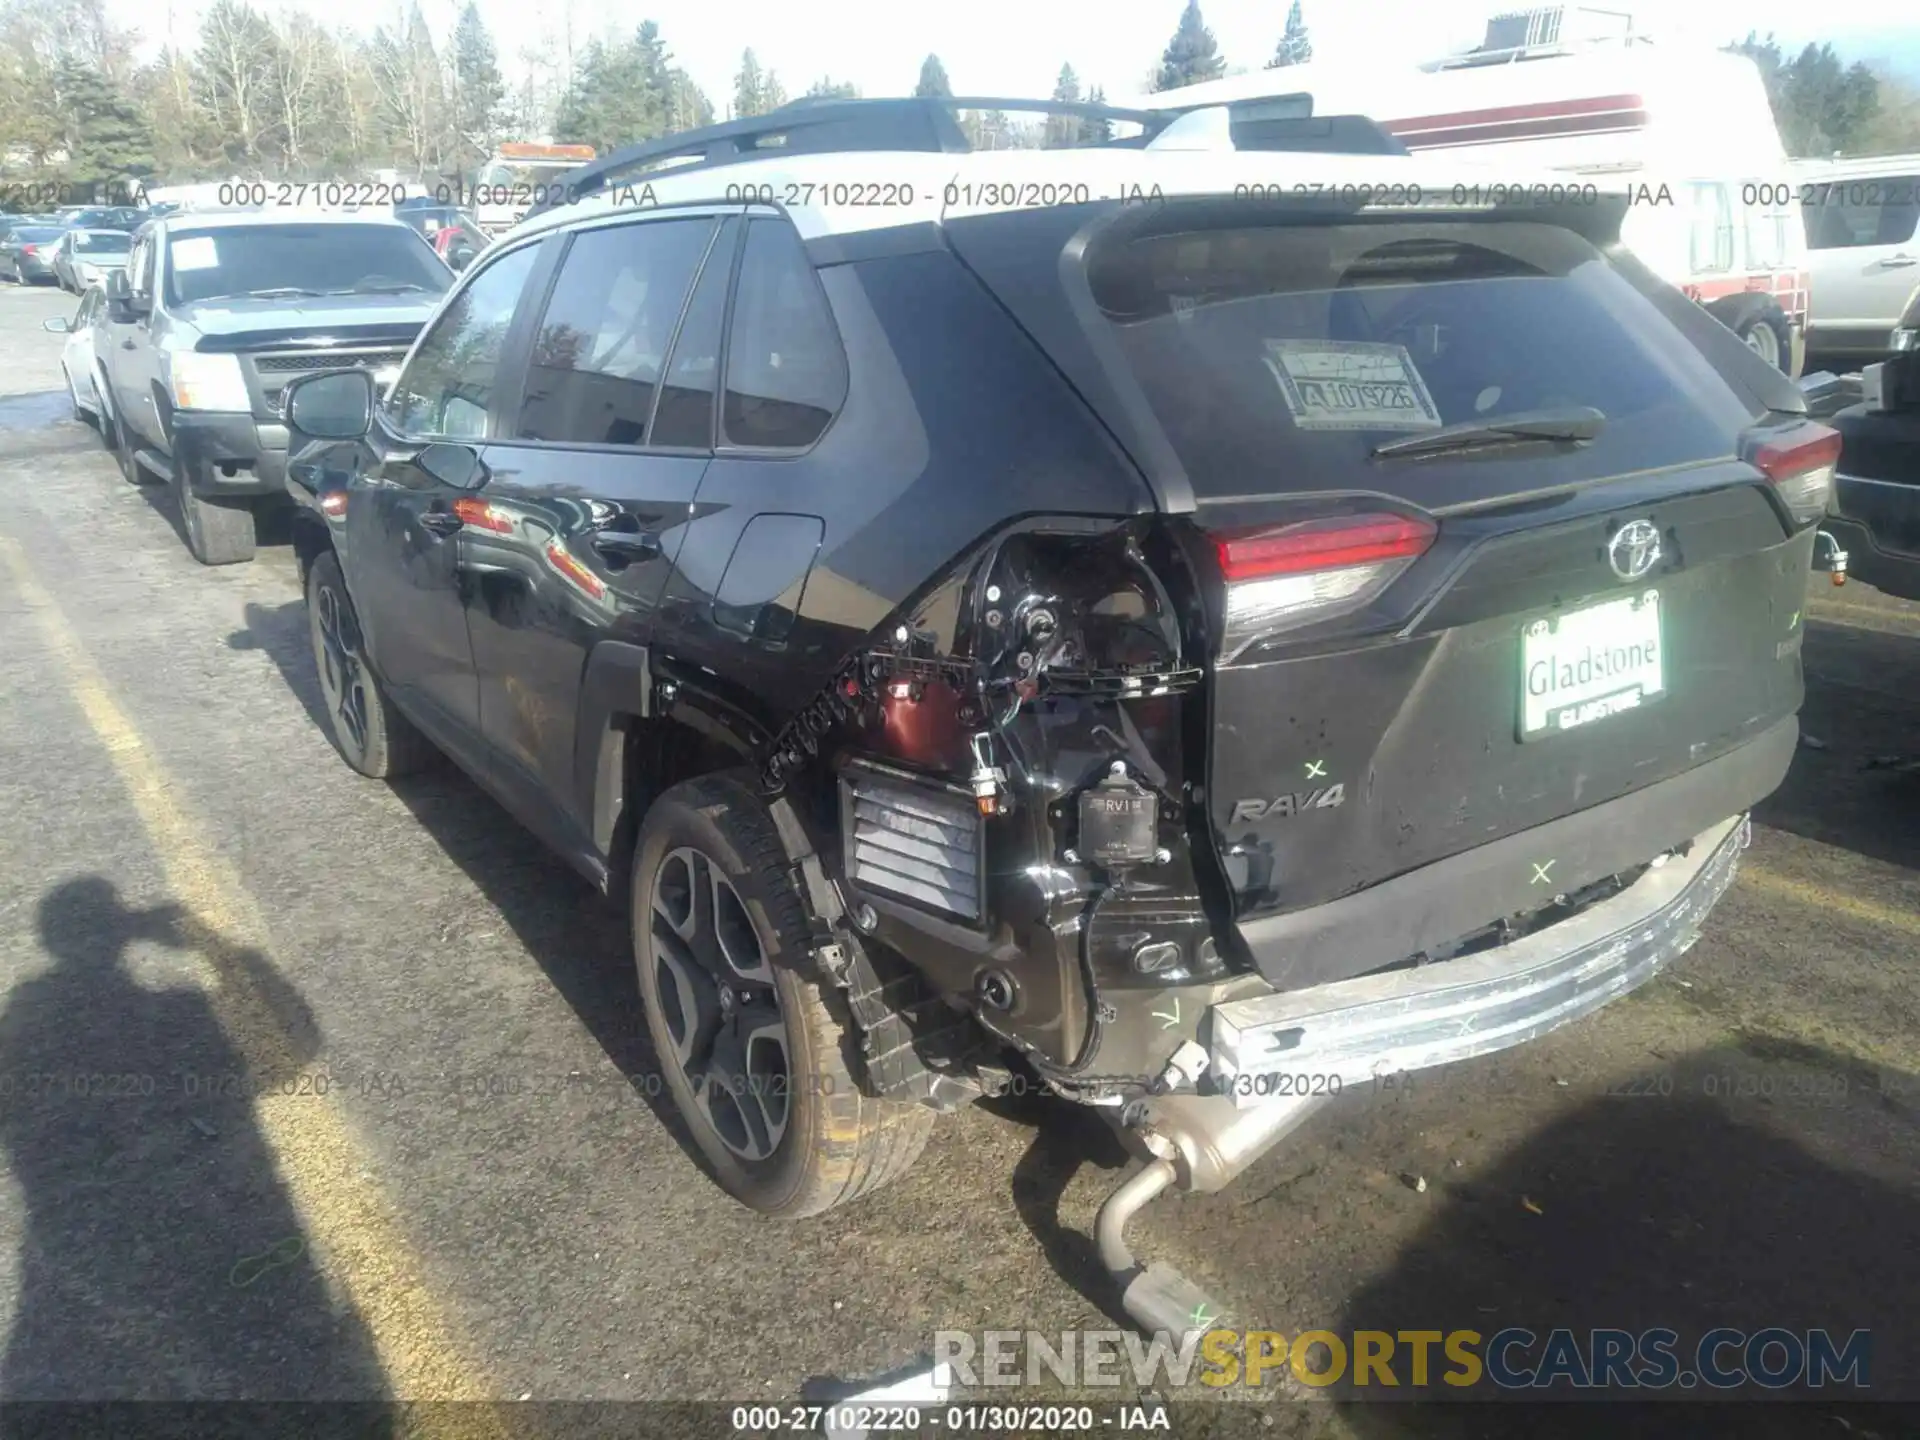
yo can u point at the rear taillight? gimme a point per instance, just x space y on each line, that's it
1800 463
29 249
1297 574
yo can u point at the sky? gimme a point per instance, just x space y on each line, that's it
1016 47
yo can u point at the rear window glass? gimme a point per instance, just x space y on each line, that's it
295 260
102 243
1277 357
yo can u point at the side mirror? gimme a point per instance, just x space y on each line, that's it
337 405
58 325
457 466
460 257
120 307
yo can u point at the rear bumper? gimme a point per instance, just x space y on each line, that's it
1412 1019
1428 909
207 444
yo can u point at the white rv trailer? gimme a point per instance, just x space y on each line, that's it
1687 129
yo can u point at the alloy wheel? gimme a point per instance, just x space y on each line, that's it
343 674
1764 341
720 1005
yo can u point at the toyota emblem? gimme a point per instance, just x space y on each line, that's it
1634 549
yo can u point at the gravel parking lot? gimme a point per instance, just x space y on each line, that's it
460 1183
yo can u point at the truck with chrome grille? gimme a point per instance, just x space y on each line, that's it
1103 620
214 314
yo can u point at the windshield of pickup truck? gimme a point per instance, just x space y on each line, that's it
296 261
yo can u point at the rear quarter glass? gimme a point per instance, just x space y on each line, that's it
1276 357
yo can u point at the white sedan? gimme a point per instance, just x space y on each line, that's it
76 358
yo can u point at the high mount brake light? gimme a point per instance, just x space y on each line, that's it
1800 464
1279 579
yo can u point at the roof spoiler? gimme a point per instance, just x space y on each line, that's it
818 125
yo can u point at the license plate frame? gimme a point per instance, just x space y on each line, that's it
1637 623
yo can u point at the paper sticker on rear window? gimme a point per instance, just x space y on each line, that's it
195 252
1351 385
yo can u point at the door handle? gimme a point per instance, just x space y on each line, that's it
627 545
440 522
1895 262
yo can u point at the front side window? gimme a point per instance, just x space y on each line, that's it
1849 214
448 385
786 372
602 343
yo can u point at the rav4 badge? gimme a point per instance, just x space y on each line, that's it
1288 805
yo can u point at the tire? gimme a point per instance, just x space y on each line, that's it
219 532
707 851
123 447
79 411
108 428
1762 327
387 744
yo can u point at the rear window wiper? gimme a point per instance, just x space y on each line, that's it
1576 425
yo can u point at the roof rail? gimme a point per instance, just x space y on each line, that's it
815 125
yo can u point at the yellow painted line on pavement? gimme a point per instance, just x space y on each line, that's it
1824 897
327 1173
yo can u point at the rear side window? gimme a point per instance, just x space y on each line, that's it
1277 357
786 372
602 343
1846 214
684 417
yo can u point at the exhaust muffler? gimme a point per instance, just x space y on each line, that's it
1197 1143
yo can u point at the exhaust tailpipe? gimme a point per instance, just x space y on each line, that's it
1197 1143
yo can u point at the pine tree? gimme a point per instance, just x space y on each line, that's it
1192 56
106 137
1294 48
1062 132
478 91
1097 132
827 88
748 88
657 85
933 80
